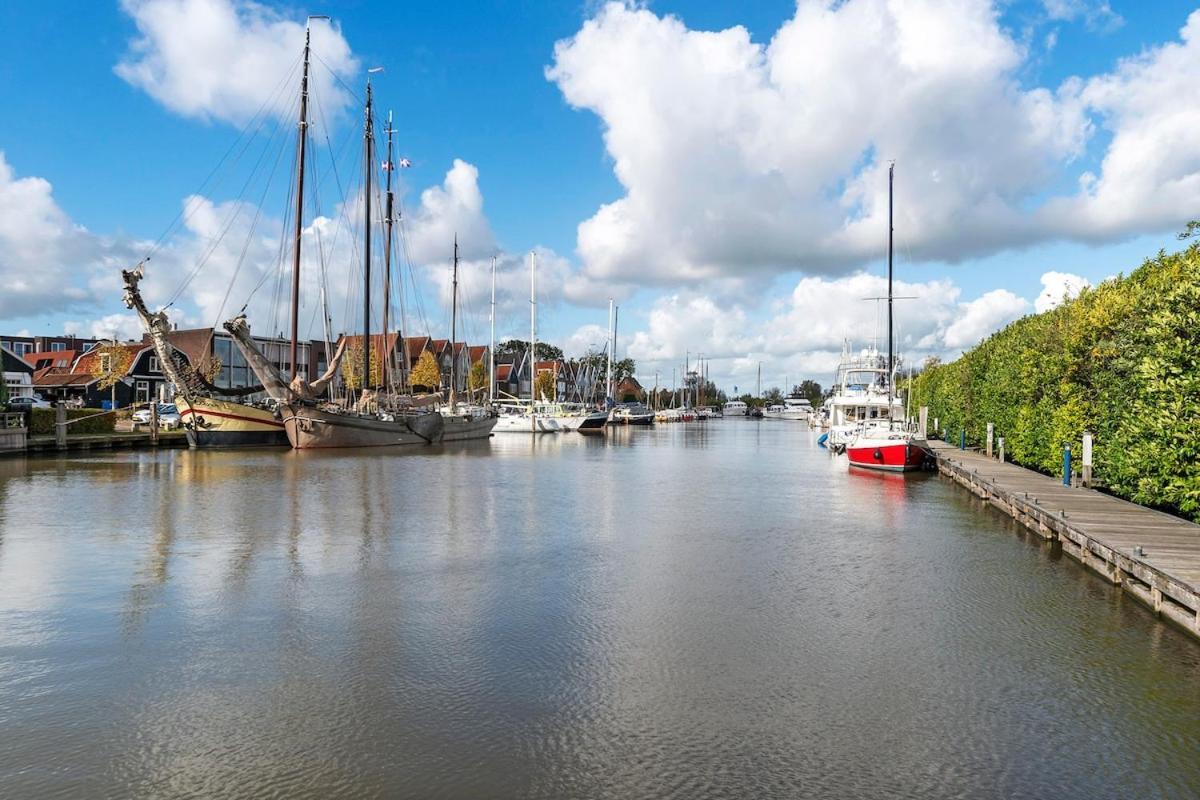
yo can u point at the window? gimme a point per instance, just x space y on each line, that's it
57 347
62 362
105 362
154 364
143 391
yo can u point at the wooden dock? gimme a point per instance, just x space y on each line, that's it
1101 531
104 441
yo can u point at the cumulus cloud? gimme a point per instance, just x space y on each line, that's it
46 259
738 158
1059 286
806 333
225 59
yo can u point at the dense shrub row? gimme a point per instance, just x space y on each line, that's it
42 421
1122 360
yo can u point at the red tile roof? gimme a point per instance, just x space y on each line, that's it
49 379
477 353
438 346
377 341
503 371
54 358
416 345
84 362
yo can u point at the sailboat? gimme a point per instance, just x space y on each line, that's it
378 418
517 416
209 419
884 445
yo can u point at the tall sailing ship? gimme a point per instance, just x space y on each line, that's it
303 414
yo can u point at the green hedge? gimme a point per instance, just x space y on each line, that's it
1122 360
42 421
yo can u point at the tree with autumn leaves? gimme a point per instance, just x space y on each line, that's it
426 373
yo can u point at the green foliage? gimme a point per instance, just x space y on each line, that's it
519 347
3 391
811 391
1122 360
772 396
41 422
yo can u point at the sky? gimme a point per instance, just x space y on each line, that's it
719 169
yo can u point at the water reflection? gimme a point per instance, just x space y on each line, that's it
686 610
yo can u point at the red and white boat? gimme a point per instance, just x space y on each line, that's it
886 445
891 450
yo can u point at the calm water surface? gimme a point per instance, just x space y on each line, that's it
693 611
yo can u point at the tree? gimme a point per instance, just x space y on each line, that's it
3 392
809 390
477 378
773 396
426 373
111 363
352 367
520 347
543 387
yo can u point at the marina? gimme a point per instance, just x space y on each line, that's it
324 475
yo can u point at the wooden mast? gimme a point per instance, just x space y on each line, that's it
303 137
368 162
387 257
454 333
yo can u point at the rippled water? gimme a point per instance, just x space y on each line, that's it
692 611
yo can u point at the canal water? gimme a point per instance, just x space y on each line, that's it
708 610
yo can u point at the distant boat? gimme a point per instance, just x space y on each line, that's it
632 414
735 408
883 444
792 408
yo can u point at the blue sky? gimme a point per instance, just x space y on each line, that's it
470 82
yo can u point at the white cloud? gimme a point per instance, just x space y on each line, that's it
225 59
738 158
1097 15
805 335
979 318
46 260
116 326
1057 286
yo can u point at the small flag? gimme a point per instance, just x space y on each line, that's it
405 163
387 166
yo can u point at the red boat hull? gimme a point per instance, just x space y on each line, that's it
894 456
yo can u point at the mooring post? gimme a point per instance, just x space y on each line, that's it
1001 442
991 429
937 427
1087 459
962 439
923 420
60 425
153 422
1067 465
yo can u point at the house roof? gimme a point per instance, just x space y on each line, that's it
52 358
62 379
438 346
195 343
503 371
630 383
84 364
11 362
554 366
416 345
476 352
459 347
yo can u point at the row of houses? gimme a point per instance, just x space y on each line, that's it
71 368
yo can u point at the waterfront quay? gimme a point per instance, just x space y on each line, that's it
1153 556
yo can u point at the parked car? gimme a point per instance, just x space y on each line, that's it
168 416
26 403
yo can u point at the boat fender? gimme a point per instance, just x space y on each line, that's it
878 455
